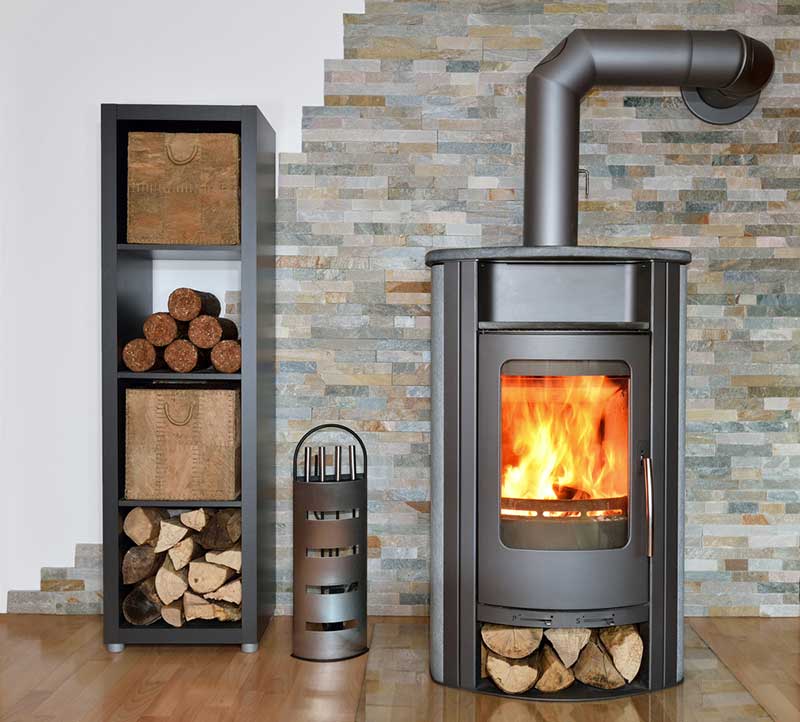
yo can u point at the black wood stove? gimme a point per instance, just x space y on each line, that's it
558 388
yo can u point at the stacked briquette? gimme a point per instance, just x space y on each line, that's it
189 337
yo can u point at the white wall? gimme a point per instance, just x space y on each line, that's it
58 62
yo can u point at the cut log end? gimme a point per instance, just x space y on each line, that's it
141 606
142 525
171 532
222 531
626 649
554 675
140 355
196 519
595 668
207 331
160 329
511 642
171 584
226 357
228 557
195 607
186 304
172 614
205 577
568 642
230 592
139 563
183 356
513 676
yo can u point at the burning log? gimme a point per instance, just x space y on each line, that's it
511 642
553 674
514 676
625 647
568 643
595 668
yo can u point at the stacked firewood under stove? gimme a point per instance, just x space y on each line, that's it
190 337
183 567
518 659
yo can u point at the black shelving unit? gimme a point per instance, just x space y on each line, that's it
127 289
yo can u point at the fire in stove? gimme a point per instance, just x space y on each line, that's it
565 450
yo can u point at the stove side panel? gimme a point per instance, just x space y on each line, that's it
437 475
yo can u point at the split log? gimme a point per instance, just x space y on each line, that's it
208 331
226 357
185 304
511 642
160 329
195 607
139 563
553 675
513 676
230 592
141 606
205 577
568 642
227 612
183 356
222 531
172 614
171 584
484 657
143 524
625 647
140 355
171 532
228 558
196 519
185 551
595 668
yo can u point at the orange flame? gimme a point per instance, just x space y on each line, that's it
564 437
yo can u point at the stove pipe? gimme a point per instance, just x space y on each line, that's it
720 74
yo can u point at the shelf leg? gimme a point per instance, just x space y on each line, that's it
250 648
115 648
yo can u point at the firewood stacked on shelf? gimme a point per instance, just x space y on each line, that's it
183 567
191 336
518 659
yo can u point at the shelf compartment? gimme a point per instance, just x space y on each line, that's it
181 503
169 252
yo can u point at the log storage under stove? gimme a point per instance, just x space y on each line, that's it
558 385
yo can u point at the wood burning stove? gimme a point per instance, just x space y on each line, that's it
558 393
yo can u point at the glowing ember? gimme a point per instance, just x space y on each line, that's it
564 437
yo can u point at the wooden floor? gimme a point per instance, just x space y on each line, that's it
55 669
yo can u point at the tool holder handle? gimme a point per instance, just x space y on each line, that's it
325 427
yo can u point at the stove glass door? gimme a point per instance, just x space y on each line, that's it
564 419
565 441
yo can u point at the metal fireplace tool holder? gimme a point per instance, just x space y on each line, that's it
330 549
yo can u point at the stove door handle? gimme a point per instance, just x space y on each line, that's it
647 467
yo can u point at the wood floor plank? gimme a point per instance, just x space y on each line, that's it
56 669
763 654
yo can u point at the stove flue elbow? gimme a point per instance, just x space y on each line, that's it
720 73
